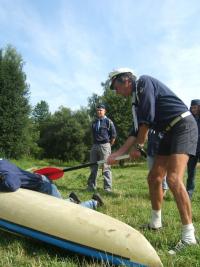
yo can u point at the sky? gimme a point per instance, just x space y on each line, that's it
70 46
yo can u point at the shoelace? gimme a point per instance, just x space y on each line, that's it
181 245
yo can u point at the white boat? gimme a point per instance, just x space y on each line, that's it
75 228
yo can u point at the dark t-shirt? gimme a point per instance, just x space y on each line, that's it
157 105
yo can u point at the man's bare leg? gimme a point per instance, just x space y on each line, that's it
155 179
175 172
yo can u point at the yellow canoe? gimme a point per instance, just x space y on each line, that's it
75 228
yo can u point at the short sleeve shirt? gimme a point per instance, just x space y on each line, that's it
157 105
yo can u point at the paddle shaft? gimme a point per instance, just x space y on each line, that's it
92 164
55 173
142 151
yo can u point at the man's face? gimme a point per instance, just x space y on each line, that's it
194 109
123 88
101 112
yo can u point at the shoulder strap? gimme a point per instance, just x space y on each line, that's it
109 123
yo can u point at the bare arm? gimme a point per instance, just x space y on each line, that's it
140 141
112 141
142 134
122 150
130 142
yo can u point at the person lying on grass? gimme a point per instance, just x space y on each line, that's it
12 178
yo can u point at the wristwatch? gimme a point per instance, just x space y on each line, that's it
141 149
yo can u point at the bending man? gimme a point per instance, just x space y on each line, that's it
156 106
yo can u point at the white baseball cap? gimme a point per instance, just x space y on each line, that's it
113 74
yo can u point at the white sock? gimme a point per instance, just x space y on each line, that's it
188 234
155 219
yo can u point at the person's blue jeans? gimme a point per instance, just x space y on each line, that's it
91 204
47 187
191 171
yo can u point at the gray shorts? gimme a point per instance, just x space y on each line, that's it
181 139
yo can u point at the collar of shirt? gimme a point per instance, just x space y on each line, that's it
98 122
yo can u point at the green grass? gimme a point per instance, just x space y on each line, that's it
129 203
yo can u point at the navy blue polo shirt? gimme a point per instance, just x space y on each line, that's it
12 177
157 105
103 130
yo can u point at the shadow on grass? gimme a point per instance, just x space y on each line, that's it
128 165
137 195
77 190
33 248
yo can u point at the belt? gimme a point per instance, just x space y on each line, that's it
101 142
176 120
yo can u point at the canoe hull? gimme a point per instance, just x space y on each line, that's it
75 228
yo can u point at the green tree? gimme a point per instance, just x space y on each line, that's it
41 112
119 111
64 135
84 119
40 117
93 101
14 105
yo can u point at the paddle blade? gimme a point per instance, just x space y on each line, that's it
51 172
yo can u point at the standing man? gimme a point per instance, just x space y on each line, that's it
156 106
192 163
104 135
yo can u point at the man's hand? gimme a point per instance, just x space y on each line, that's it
112 158
1 178
112 141
135 154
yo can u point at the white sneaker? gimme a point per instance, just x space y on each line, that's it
181 245
108 190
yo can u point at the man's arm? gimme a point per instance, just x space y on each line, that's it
130 142
142 134
133 140
112 141
140 141
9 182
122 150
112 132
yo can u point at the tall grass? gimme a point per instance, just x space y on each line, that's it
129 203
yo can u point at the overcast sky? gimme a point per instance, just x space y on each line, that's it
69 46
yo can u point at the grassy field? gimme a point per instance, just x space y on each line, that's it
129 203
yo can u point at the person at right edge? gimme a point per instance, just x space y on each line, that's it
155 106
193 159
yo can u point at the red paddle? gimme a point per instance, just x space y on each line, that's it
56 173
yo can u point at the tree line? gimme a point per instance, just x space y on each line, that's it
36 132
